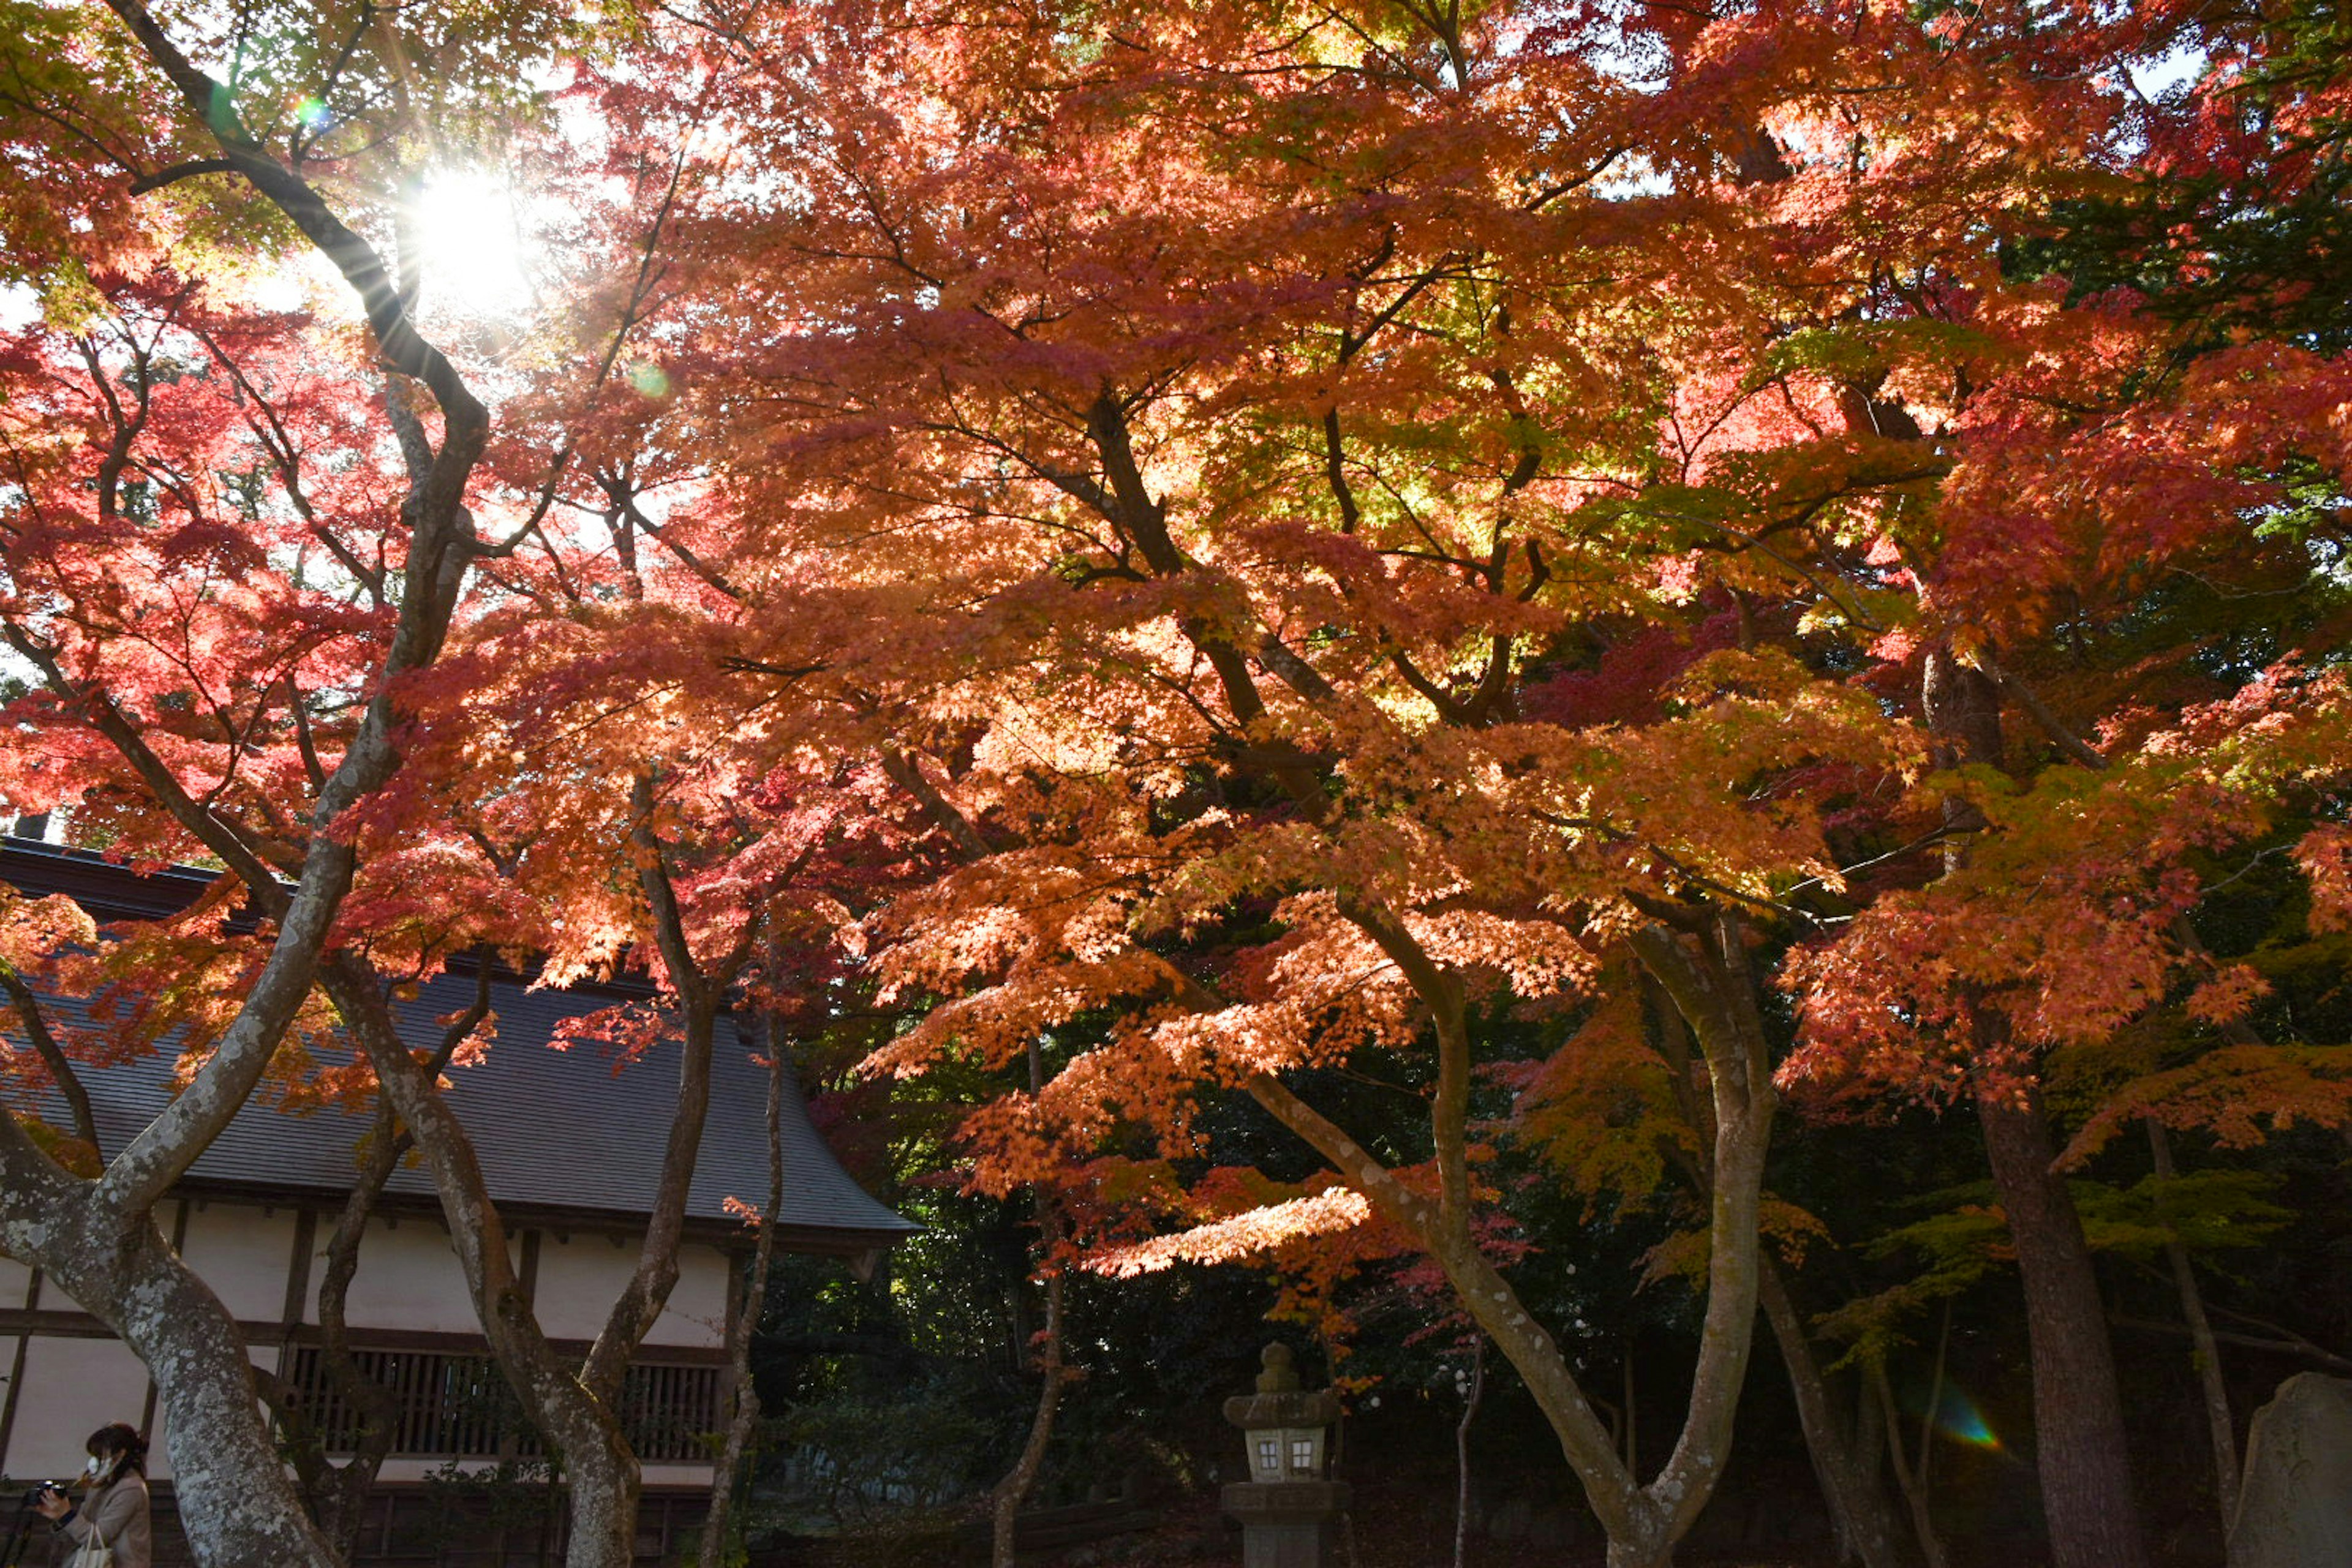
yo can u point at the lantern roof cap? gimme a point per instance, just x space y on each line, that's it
1279 1401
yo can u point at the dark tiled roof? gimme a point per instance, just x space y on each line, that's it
556 1130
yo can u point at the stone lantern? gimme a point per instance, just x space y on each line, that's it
1286 1509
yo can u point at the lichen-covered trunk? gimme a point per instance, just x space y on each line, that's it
2080 1437
339 1505
602 1497
236 1503
1649 1549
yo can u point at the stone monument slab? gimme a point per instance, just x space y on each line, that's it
2294 1506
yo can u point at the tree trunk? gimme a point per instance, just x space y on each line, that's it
99 1240
744 1417
2218 1422
1005 1503
1849 1473
338 1493
1476 1391
1013 1490
237 1502
1930 1413
2077 1409
2078 1418
1912 1482
575 1408
1706 975
579 1424
1651 1549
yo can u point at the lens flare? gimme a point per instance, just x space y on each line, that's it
1958 1417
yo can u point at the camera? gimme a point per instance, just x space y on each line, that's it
43 1489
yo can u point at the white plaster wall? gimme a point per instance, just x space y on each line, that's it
697 1312
579 1272
582 1276
678 1475
243 1254
417 1469
579 1278
72 1387
408 1277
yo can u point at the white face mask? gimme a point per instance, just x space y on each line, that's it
93 1468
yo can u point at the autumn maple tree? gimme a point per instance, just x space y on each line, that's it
2114 473
238 539
212 580
1191 548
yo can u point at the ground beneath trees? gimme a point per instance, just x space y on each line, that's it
1395 1529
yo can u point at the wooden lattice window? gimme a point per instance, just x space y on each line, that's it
669 1412
458 1406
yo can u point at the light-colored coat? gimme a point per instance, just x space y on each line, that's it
117 1514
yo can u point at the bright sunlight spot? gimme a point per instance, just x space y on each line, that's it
20 307
475 262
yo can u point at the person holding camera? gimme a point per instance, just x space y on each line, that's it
111 1529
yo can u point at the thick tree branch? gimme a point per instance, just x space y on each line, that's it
718 1538
1396 1201
1335 473
37 1195
907 774
45 1044
477 1233
2055 728
641 1301
178 171
716 580
1709 980
703 989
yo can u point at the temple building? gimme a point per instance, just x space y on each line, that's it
571 1149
